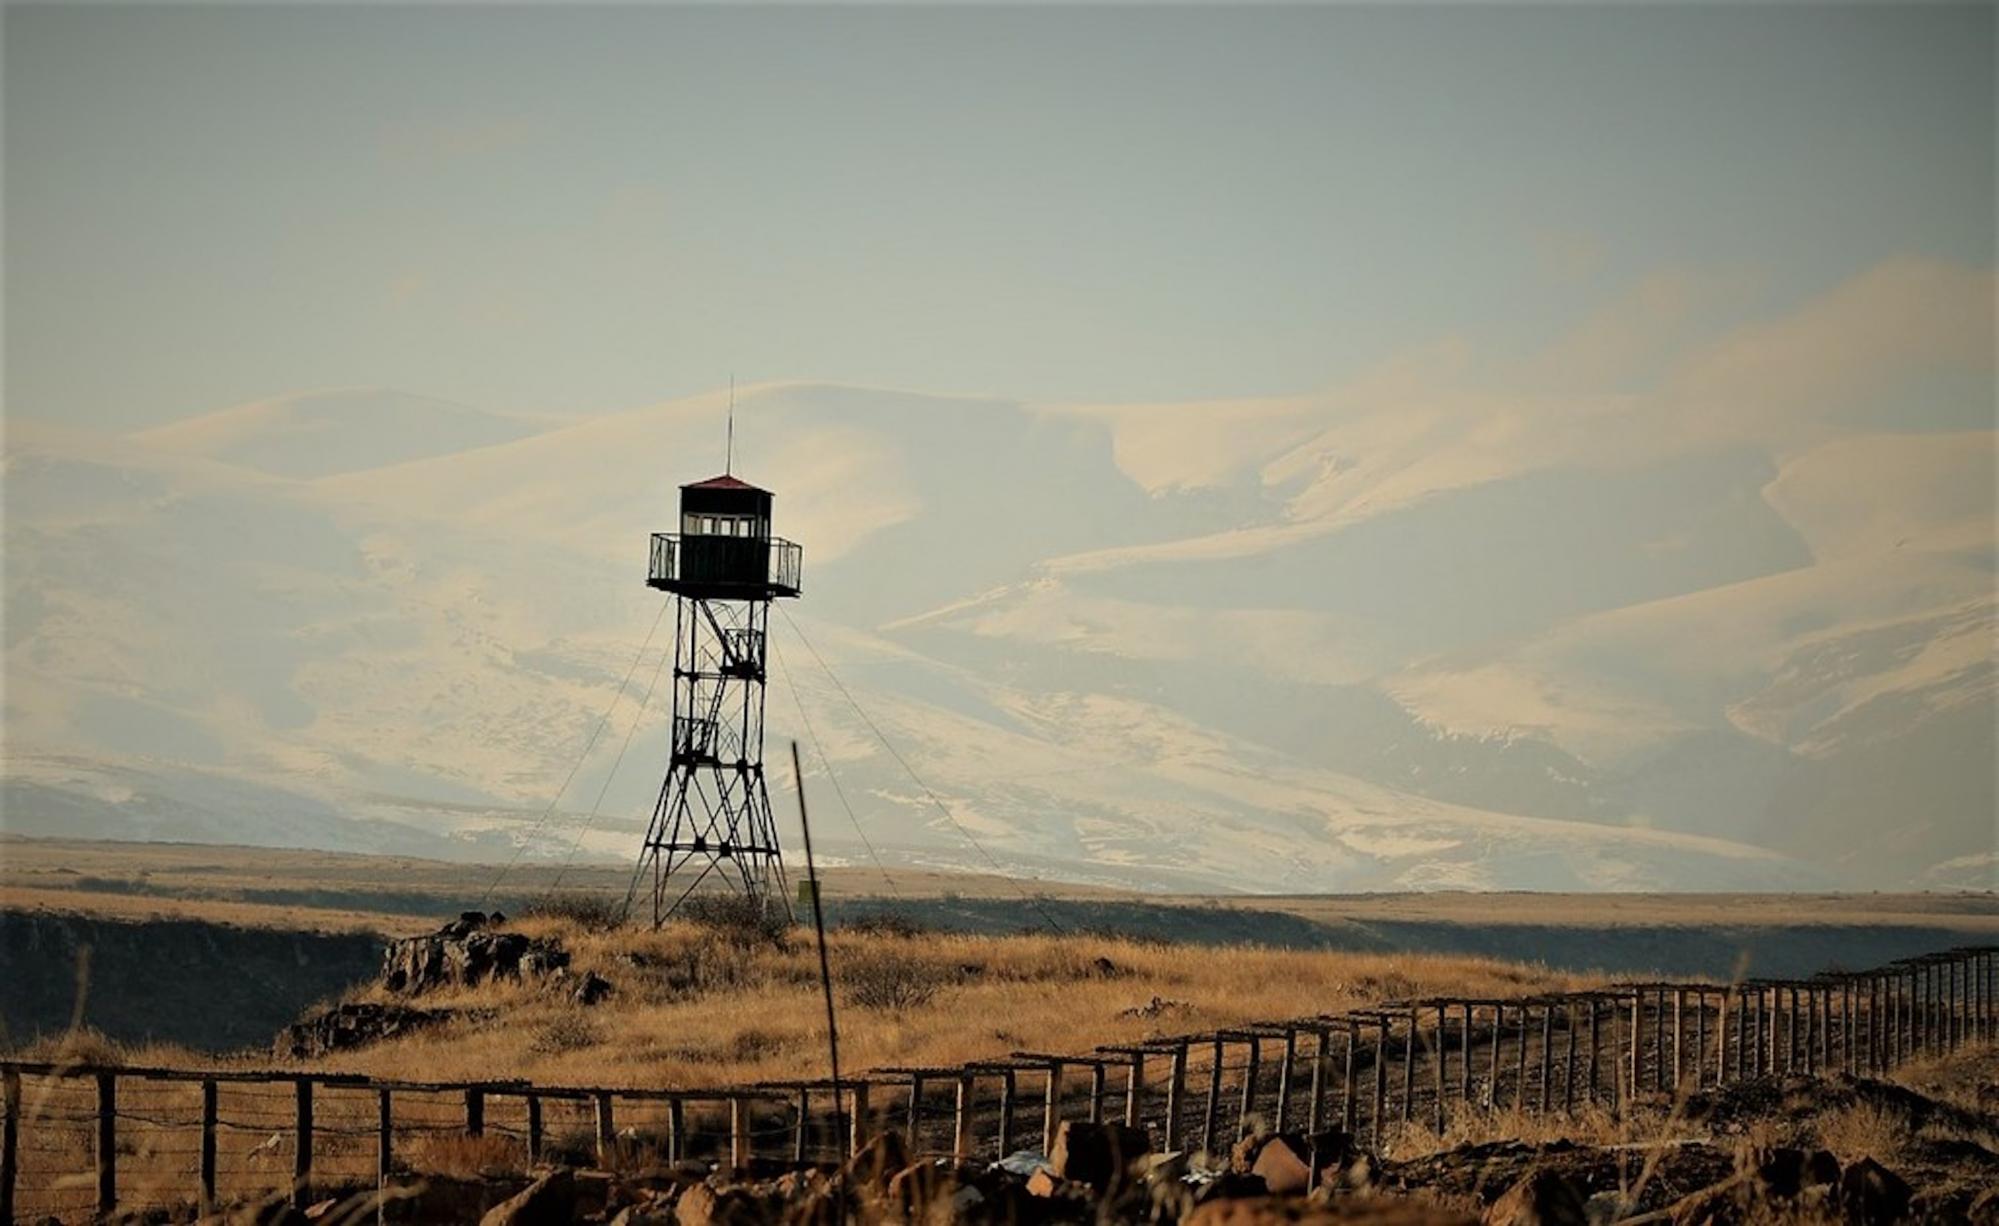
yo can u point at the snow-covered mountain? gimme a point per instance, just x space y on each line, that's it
1400 634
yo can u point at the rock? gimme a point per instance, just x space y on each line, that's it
1870 1192
345 1027
640 1215
1820 1168
877 1162
1284 1165
466 952
1542 1198
1097 1154
320 1209
702 1205
1360 1174
548 1201
1164 1168
1331 1149
1044 1182
591 990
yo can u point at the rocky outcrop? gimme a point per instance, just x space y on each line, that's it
469 950
344 1027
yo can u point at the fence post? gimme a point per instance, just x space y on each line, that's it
1520 1059
1213 1119
1409 1063
385 1135
1176 1094
1498 1052
607 1129
961 1133
1376 1120
1096 1091
914 1123
1568 1056
1006 1113
1700 1038
1134 1090
1051 1107
1438 1068
1595 1047
1315 1119
475 1112
858 1126
10 1142
535 1140
1679 1036
1284 1078
107 1144
1349 1113
207 1145
1249 1077
804 1116
302 1155
739 1133
1464 1054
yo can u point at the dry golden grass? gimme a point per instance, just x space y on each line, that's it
692 1007
1863 1130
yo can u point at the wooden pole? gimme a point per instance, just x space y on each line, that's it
1409 1064
1437 1065
1464 1055
1520 1060
1176 1095
1637 1041
475 1112
209 1093
536 1138
1315 1118
1097 1092
1700 1039
107 1144
1134 1091
914 1123
1498 1026
1213 1119
1249 1087
961 1132
385 1135
1377 1120
1595 1048
1679 1036
1349 1120
1007 1088
1284 1079
800 1140
302 1152
1547 1051
676 1129
1569 1057
10 1143
1051 1106
739 1133
607 1130
1661 1070
858 1124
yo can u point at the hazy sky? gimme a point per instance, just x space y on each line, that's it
575 209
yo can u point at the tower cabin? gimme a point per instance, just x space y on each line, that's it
724 549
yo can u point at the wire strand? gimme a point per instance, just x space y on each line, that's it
1026 897
598 803
520 848
820 749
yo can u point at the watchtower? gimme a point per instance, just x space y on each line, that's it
713 817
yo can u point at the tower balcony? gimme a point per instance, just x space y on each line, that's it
725 567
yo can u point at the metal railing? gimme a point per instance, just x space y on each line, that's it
773 565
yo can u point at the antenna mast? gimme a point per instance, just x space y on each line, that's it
729 455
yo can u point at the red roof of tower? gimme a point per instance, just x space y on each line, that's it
724 482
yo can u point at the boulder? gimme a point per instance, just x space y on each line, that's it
548 1201
1097 1154
1541 1198
1870 1193
345 1027
592 989
703 1205
1284 1164
466 952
